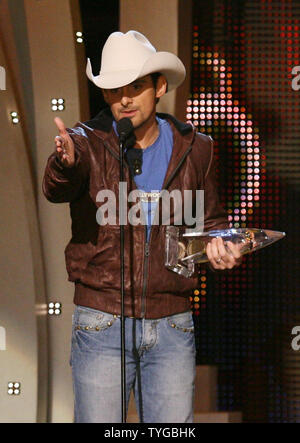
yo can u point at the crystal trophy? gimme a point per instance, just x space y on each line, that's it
185 250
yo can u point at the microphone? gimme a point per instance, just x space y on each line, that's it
127 139
124 128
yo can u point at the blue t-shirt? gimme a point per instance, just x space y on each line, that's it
155 163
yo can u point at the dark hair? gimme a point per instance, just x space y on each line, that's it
155 76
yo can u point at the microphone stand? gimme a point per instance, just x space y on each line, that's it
125 129
123 373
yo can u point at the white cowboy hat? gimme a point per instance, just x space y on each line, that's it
126 57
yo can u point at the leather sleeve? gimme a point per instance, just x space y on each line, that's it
62 184
215 216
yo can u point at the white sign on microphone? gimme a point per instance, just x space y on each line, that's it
296 79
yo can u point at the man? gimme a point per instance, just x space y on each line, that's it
160 347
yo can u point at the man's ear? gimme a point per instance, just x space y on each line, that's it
161 86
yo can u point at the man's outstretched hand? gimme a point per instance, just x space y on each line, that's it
64 145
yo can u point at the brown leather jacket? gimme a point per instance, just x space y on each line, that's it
93 253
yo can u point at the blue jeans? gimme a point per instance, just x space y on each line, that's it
160 367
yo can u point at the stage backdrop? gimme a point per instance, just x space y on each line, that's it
244 94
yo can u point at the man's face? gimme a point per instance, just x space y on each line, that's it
136 101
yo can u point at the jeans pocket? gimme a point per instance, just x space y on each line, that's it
182 322
91 320
91 328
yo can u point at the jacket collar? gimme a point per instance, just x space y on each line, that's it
183 137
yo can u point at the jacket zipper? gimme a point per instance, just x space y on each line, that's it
112 152
145 276
177 167
147 244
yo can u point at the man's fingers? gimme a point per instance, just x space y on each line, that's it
64 144
221 249
60 145
223 256
60 126
226 255
214 256
58 141
234 249
218 249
